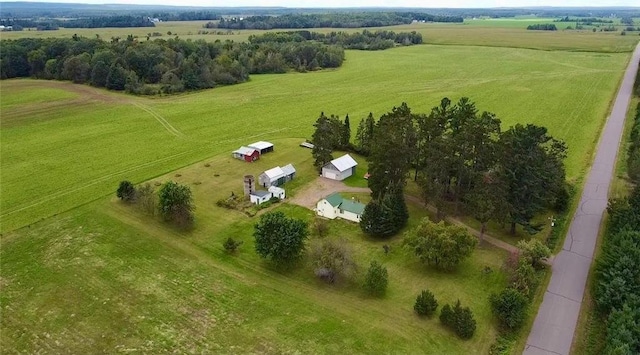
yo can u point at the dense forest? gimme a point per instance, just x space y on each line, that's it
332 20
175 65
167 66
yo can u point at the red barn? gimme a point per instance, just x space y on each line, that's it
246 154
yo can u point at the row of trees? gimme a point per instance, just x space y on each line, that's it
87 22
332 20
173 201
167 66
543 27
633 157
365 40
617 276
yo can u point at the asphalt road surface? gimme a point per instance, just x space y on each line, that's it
555 324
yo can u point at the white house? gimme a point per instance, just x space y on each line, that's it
334 206
340 168
277 176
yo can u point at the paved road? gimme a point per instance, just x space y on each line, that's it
555 324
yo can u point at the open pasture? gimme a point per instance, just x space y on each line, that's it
489 32
56 158
108 278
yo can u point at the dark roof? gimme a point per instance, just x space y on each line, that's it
261 193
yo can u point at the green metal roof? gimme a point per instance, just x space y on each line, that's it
334 199
352 206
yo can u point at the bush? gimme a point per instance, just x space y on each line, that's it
126 191
534 251
426 304
146 199
458 319
510 307
332 259
231 245
524 279
320 227
376 280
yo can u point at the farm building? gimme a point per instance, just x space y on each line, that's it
261 196
262 147
335 206
277 192
340 168
246 154
277 176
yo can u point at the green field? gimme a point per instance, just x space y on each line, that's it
75 150
106 277
490 32
83 273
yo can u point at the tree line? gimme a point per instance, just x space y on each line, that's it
543 27
332 20
153 66
460 158
365 40
89 22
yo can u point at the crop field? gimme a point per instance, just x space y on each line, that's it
74 148
489 32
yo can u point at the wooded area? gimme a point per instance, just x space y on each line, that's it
332 20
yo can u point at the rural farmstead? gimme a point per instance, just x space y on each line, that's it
340 168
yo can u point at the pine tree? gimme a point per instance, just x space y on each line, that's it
345 137
322 140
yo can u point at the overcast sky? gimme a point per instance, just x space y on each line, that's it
363 3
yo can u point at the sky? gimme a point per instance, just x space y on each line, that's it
362 3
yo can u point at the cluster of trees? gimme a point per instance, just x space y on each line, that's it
168 66
332 20
543 27
462 160
203 15
583 20
173 201
457 318
617 276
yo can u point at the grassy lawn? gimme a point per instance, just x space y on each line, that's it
107 278
57 158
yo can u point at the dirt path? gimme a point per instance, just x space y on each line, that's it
322 187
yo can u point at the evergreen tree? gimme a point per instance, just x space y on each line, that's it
364 135
376 280
322 140
345 137
117 77
426 304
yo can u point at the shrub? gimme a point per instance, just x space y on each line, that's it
376 280
534 251
510 307
320 227
146 198
126 191
458 319
231 245
331 259
524 279
426 304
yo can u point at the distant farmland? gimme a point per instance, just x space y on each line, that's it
65 145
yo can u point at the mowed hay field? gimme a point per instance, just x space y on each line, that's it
64 145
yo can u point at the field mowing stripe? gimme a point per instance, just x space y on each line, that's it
160 119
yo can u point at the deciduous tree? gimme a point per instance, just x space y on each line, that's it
440 245
280 238
176 203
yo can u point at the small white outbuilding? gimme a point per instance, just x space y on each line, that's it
340 168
